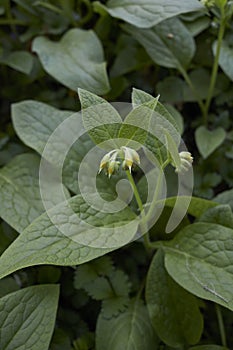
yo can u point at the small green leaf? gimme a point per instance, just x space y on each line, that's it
18 60
76 61
70 233
130 330
27 317
174 312
197 259
145 14
169 44
207 141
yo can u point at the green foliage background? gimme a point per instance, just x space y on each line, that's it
175 292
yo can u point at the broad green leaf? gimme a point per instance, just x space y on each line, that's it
225 197
226 57
20 192
101 120
147 13
169 44
198 25
131 330
70 233
35 122
198 260
197 206
174 312
19 60
27 318
222 215
207 141
76 61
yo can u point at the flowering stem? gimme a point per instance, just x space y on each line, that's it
156 193
142 211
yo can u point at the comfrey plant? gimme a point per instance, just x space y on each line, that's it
85 215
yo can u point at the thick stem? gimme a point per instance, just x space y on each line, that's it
215 67
221 325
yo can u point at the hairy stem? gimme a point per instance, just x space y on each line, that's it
142 212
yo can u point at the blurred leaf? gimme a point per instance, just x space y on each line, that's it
222 214
226 197
207 141
145 14
19 60
174 312
164 45
225 59
129 330
76 61
27 317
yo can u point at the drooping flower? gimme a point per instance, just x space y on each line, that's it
186 161
112 160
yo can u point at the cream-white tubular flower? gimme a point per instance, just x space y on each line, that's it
112 160
186 161
130 157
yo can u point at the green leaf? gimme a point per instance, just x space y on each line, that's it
130 330
225 197
76 61
101 120
197 259
35 122
145 14
20 191
27 318
174 312
8 285
19 60
207 141
196 207
222 215
70 233
169 44
226 57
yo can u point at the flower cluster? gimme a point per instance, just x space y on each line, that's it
186 161
126 156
